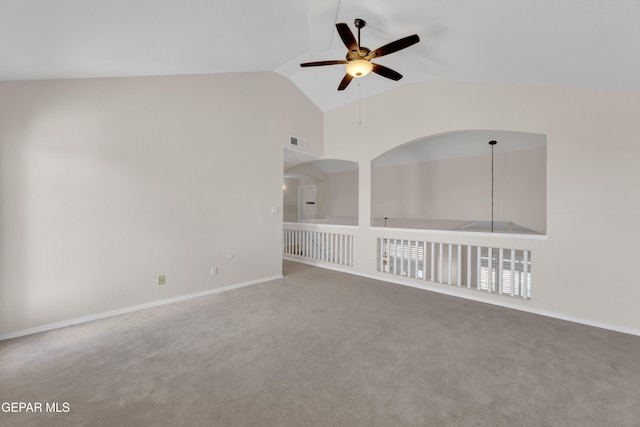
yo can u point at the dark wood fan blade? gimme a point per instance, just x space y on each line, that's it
394 46
321 63
347 36
386 72
345 81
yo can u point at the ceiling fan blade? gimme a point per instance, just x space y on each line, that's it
386 72
345 81
320 63
347 36
394 46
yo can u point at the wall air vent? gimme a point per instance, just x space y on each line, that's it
296 142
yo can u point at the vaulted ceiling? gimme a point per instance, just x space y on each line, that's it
551 42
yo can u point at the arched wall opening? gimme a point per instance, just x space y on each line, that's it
452 181
323 191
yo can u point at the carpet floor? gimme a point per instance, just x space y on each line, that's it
322 348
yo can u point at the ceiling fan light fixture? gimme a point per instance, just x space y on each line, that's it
358 59
359 67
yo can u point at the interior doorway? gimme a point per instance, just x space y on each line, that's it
307 203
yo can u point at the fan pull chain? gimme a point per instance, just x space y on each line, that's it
359 104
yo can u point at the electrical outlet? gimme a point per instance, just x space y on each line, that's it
161 280
214 270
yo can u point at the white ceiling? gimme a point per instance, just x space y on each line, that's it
554 42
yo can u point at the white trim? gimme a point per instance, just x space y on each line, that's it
463 233
497 301
92 317
304 224
310 223
473 296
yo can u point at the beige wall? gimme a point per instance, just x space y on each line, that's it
290 200
586 269
108 183
342 202
460 189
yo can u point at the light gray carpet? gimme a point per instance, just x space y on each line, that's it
321 348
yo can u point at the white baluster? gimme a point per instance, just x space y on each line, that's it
500 268
433 262
440 264
478 267
525 280
424 260
459 265
469 275
449 281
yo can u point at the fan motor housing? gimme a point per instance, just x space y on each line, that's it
358 54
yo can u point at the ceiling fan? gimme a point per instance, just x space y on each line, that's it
359 58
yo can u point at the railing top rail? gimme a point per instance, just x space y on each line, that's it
463 233
310 225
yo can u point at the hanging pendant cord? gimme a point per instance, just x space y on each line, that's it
492 143
492 188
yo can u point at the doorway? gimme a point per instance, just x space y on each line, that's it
307 206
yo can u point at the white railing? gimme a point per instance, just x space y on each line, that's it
319 245
494 270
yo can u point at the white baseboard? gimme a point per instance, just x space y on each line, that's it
506 304
399 281
90 318
321 264
435 287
